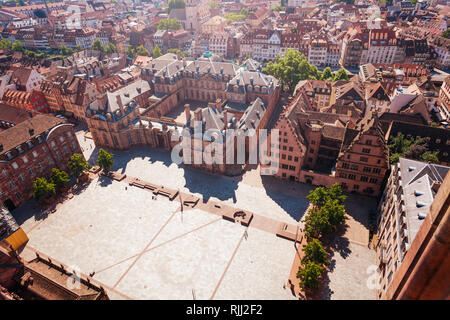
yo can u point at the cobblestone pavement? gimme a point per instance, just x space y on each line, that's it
141 248
109 230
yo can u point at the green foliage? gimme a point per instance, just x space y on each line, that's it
43 189
169 24
213 5
176 4
156 53
334 211
309 275
97 45
17 46
430 156
178 51
131 52
446 34
59 178
326 74
141 51
315 252
78 164
110 48
241 16
327 210
411 148
105 159
66 51
341 74
79 48
346 1
278 8
291 69
321 195
5 44
317 223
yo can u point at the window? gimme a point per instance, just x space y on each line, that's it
25 159
364 159
364 178
11 184
4 172
366 150
19 196
356 187
292 168
373 180
291 149
283 156
284 166
35 154
354 167
296 159
352 176
30 170
15 165
53 144
345 165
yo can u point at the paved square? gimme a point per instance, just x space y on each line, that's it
148 249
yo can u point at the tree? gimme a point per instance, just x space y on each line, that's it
309 275
334 211
291 68
141 51
104 159
315 252
5 44
317 223
176 4
156 52
341 75
78 164
326 74
59 178
321 195
213 5
79 48
110 48
446 33
17 46
131 52
278 8
43 189
169 24
66 51
39 13
401 146
430 156
97 45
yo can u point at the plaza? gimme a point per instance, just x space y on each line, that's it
140 247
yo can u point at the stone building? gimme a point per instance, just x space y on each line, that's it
364 157
406 202
29 149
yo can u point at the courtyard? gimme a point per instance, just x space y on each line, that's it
143 248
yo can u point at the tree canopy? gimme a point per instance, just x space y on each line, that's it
169 24
309 275
291 69
401 146
78 164
315 252
59 178
43 189
105 159
326 212
156 53
446 33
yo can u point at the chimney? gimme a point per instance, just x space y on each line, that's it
187 112
119 103
198 114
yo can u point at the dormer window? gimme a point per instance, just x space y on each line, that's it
19 148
